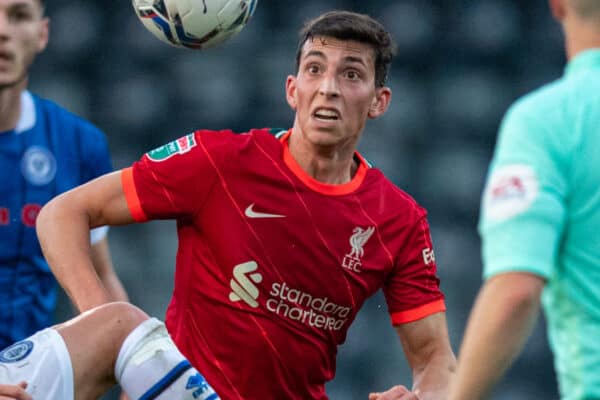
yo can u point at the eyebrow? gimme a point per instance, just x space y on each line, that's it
350 59
315 53
355 60
21 5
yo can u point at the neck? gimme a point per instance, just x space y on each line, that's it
333 164
10 106
580 36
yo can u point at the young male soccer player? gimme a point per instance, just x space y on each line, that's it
44 151
540 224
282 236
82 358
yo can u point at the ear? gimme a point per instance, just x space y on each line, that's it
43 34
558 9
381 101
290 91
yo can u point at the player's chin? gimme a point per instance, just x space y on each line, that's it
325 138
326 130
9 79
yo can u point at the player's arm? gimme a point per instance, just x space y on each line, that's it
427 348
63 227
102 261
502 318
14 392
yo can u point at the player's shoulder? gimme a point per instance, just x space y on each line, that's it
264 134
388 193
407 200
56 115
239 140
542 100
541 117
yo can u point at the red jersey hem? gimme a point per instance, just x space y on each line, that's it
420 312
131 196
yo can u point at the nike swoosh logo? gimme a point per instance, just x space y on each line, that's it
250 213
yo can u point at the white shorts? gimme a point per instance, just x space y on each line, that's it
43 361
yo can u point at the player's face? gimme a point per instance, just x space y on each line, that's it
23 34
334 91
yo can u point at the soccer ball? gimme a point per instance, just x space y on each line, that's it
195 24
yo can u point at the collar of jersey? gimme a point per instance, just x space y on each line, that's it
588 59
27 118
321 187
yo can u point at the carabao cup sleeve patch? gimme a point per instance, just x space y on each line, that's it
179 146
510 191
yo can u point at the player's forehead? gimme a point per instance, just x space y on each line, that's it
326 46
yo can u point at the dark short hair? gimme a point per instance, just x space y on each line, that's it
346 25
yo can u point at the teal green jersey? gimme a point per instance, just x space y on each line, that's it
541 214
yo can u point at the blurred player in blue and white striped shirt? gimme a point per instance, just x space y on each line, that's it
44 151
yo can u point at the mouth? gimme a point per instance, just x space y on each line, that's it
6 56
326 114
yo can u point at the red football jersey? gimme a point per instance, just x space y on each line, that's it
272 265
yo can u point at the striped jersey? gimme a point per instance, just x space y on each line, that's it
49 152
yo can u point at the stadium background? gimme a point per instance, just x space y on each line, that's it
460 64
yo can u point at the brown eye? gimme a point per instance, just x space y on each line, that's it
313 69
352 75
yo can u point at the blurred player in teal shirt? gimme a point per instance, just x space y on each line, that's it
540 225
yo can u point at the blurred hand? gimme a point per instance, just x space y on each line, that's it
14 392
122 397
398 392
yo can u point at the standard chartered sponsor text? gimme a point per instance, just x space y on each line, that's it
304 307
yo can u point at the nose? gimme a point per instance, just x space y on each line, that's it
4 25
329 86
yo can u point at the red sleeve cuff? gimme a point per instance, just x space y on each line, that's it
131 196
420 312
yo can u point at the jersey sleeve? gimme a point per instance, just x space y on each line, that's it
95 158
523 205
412 290
172 181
